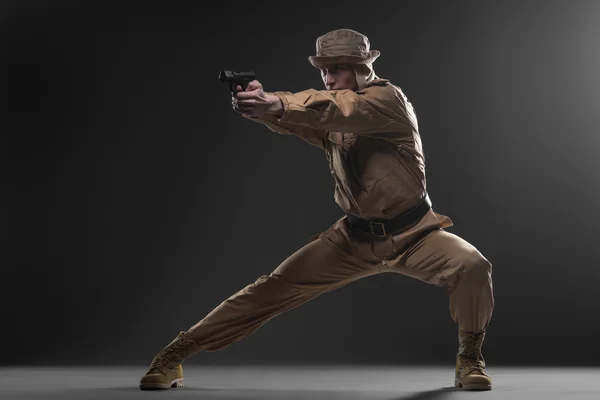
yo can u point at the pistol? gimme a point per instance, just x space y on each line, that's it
236 78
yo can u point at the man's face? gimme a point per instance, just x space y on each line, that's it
338 77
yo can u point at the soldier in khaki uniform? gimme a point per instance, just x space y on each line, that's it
368 131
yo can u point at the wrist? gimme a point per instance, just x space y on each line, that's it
276 105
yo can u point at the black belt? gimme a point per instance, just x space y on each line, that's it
390 226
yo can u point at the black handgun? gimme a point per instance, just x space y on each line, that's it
236 78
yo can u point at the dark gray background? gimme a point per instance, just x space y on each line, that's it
138 200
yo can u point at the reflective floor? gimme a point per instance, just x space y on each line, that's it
297 382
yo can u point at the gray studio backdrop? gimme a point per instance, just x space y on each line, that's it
138 200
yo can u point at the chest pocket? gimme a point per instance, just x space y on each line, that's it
372 160
342 148
366 160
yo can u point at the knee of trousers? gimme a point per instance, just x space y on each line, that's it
273 288
474 267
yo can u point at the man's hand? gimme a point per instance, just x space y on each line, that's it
254 102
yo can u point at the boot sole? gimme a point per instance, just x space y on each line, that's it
177 383
480 386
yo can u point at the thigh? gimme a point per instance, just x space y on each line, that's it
318 267
323 263
438 256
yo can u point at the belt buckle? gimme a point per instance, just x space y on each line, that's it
382 228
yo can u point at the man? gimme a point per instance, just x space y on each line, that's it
368 131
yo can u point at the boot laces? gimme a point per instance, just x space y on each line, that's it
470 353
159 364
469 365
171 356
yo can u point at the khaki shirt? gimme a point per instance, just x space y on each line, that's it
371 140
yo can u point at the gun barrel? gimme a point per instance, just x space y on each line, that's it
245 75
226 75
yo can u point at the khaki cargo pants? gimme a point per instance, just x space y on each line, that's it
337 257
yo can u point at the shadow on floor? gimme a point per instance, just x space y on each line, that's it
133 392
437 394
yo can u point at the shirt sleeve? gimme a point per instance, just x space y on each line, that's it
377 111
315 137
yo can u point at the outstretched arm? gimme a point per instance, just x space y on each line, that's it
374 111
379 110
314 137
266 109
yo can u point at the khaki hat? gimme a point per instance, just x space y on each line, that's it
343 46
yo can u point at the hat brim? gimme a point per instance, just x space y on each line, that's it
319 61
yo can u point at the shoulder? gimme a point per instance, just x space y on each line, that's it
379 82
382 87
382 90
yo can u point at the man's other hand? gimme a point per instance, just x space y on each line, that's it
254 102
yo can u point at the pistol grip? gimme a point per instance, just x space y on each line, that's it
243 83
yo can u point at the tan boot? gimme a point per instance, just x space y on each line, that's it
470 365
165 371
